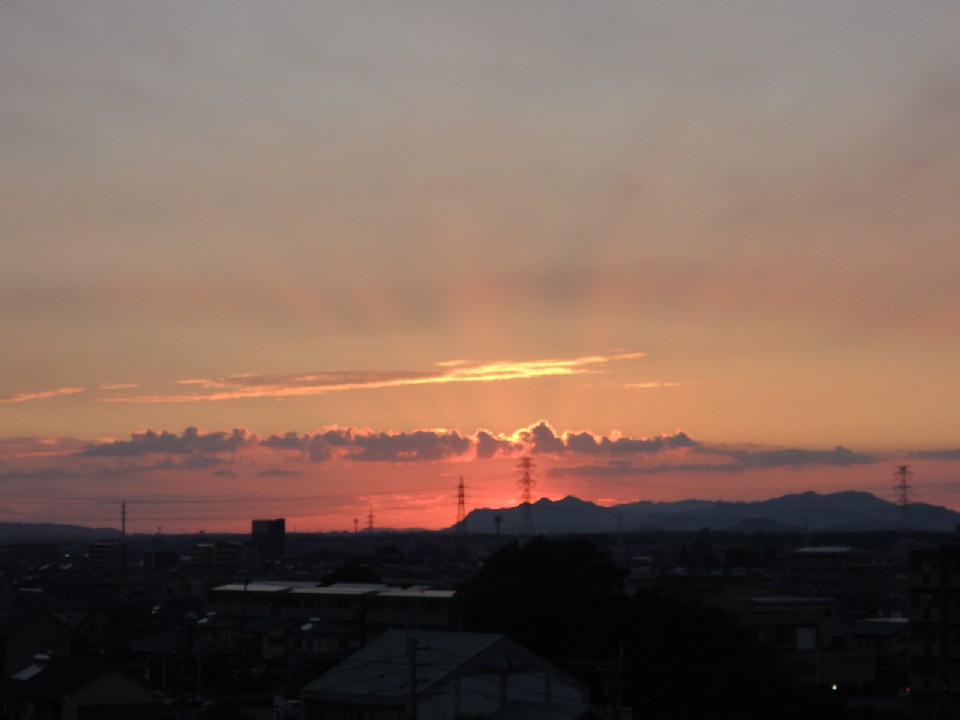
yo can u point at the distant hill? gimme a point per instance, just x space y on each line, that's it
14 533
838 512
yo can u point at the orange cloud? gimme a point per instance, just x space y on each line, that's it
655 385
118 386
250 385
42 395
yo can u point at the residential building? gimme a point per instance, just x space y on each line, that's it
77 689
935 628
26 632
442 676
269 538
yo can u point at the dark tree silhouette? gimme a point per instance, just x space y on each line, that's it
565 600
561 598
351 573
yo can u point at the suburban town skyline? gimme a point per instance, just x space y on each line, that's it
321 259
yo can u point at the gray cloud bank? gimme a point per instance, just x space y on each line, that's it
611 455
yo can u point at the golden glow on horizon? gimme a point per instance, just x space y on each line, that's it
208 480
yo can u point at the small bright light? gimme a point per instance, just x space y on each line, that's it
834 686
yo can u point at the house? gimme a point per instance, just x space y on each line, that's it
418 606
368 609
849 575
25 632
444 675
323 638
889 641
77 689
108 628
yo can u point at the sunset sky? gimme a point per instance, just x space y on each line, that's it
315 259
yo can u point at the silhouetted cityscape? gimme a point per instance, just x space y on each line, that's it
482 623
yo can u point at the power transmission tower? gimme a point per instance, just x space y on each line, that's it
461 510
902 491
526 483
123 536
370 521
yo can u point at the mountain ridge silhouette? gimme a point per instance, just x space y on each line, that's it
845 511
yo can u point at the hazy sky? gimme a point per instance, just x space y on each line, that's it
725 233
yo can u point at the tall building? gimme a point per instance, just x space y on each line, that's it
107 555
935 629
269 537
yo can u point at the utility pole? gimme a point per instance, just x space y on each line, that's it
412 653
618 687
123 536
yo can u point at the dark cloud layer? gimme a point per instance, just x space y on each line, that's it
738 460
541 438
365 446
585 443
489 446
194 449
796 456
626 468
52 473
191 441
418 446
935 455
278 472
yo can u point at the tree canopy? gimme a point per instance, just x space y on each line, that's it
565 600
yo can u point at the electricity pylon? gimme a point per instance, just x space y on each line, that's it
461 510
902 491
526 483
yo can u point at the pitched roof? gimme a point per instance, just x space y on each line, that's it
381 670
20 616
57 679
16 618
881 627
